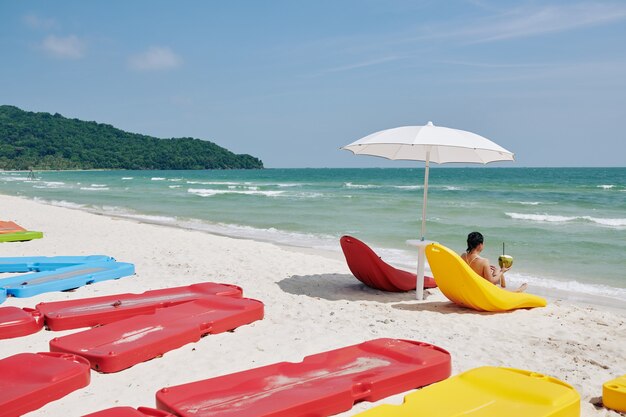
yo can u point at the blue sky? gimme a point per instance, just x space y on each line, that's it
292 81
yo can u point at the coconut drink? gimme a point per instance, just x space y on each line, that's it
505 261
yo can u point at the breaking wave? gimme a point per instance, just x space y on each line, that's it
549 218
94 188
362 186
208 192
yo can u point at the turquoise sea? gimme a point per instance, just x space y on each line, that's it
566 227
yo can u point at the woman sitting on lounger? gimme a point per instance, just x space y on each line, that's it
493 274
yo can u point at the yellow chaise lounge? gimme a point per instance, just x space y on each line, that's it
463 286
488 392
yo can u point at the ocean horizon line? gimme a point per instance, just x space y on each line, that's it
435 166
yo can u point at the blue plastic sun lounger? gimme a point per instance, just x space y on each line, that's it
65 278
47 263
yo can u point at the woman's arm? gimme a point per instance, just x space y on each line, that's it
498 275
487 273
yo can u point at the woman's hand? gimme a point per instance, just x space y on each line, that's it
495 271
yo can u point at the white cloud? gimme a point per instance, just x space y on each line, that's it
70 47
524 22
364 64
154 59
38 22
494 24
549 19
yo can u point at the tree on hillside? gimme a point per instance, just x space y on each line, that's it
46 141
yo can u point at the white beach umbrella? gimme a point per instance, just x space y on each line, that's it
429 143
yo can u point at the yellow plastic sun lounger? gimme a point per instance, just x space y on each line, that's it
463 286
488 392
614 394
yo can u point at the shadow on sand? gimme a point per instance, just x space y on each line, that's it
336 287
442 307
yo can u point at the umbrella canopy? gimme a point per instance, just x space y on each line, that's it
433 143
429 143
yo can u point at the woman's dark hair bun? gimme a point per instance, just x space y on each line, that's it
473 240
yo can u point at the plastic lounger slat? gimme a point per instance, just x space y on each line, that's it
29 381
130 412
9 227
320 385
65 278
614 394
16 322
20 236
122 344
488 392
90 312
47 263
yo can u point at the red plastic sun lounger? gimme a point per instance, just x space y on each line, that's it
29 381
372 271
122 344
130 412
320 385
16 322
10 227
90 312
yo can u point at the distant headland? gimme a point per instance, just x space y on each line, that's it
42 141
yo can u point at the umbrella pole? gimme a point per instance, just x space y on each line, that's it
421 248
425 196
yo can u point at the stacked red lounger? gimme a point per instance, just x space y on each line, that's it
321 385
122 344
97 311
132 328
17 322
29 381
130 412
136 328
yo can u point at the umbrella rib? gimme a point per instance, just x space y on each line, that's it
504 152
396 152
480 157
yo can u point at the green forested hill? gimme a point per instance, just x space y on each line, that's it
46 141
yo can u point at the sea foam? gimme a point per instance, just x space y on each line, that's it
528 203
214 182
60 203
363 186
569 286
541 217
94 188
49 184
548 218
408 187
208 192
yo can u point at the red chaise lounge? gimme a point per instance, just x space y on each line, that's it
372 271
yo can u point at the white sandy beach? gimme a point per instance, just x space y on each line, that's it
312 304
